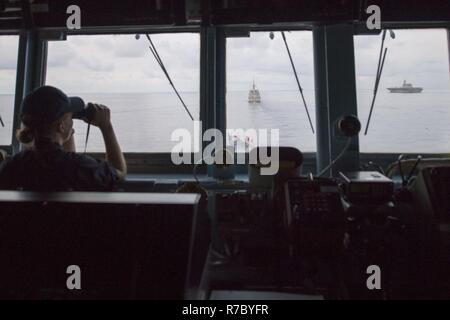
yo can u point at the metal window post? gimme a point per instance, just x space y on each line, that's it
213 78
31 65
334 64
448 45
221 80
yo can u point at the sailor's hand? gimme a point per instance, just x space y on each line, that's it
101 117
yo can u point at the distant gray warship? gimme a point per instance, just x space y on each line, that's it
406 88
253 95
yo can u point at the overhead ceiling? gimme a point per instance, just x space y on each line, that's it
16 14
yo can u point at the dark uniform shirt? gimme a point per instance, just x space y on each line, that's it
50 168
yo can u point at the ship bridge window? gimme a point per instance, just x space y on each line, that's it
121 72
262 91
411 113
8 68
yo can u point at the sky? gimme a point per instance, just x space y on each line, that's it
121 63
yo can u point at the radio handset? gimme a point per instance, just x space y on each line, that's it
86 114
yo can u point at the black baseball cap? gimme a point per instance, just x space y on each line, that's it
48 104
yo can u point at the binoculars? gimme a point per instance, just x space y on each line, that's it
87 113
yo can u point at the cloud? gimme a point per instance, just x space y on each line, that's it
59 56
129 47
8 48
119 63
418 56
96 65
268 63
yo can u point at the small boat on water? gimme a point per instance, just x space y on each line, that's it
241 143
253 95
406 88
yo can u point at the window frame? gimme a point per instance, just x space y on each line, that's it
384 158
127 31
212 90
309 158
32 55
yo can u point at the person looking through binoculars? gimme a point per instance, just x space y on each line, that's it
49 162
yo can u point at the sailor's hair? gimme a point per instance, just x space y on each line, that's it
31 129
25 135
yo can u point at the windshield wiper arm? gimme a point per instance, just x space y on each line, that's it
161 64
298 81
380 67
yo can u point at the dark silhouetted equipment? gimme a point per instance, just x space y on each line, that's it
367 186
349 126
432 192
127 245
431 197
314 216
288 159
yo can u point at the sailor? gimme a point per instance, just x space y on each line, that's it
50 162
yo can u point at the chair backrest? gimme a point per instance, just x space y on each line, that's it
3 155
127 245
287 160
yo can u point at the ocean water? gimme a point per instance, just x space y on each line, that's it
144 122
